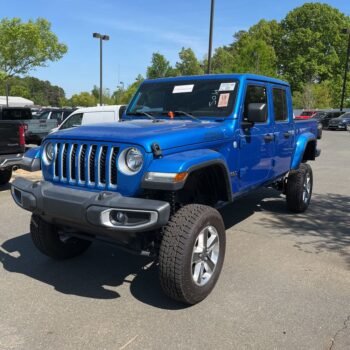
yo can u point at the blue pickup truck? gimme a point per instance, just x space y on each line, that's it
153 182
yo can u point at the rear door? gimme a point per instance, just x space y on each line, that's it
284 129
9 137
257 145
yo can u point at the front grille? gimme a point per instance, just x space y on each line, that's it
86 164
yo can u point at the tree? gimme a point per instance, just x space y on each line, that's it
312 48
222 61
188 64
255 56
160 67
123 96
84 99
24 46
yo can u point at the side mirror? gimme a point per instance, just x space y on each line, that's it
257 113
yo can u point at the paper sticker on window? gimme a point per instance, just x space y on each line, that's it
227 86
180 89
223 100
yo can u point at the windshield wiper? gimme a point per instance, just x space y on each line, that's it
185 114
143 113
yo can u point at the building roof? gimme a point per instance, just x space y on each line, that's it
16 101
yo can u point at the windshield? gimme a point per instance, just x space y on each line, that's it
43 115
213 98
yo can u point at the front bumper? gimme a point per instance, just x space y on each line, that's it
11 160
89 212
20 161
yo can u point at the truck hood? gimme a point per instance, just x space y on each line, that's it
168 134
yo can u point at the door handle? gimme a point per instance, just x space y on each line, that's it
268 137
286 134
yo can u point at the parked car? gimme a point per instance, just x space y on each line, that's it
44 122
12 147
57 114
307 114
340 123
92 115
326 116
152 183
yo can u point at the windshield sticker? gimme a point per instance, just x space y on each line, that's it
227 86
223 100
180 89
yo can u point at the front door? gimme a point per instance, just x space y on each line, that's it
257 142
284 130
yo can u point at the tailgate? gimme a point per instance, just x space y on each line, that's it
9 137
40 126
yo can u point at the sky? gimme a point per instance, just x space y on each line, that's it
137 28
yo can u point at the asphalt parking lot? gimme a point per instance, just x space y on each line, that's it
285 282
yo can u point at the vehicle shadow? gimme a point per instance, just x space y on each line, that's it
325 226
5 187
103 271
103 268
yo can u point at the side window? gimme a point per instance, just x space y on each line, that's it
74 120
255 94
280 105
56 115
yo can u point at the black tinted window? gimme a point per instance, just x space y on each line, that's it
16 114
121 111
280 105
255 94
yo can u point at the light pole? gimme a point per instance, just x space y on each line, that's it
101 37
211 35
345 31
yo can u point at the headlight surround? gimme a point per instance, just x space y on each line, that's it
131 161
49 151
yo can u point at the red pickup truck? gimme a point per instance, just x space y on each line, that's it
307 114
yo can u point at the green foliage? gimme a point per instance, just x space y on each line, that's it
314 96
257 57
222 61
312 48
188 63
39 91
24 46
123 96
84 99
159 68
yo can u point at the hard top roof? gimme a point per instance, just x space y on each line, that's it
241 77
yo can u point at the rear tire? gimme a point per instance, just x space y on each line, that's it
5 176
192 253
46 238
299 188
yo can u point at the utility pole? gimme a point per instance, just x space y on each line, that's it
101 37
7 93
211 35
345 31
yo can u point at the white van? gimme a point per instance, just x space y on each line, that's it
92 115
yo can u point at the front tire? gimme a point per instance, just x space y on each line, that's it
5 176
47 239
192 253
299 188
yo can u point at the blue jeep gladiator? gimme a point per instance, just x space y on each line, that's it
152 183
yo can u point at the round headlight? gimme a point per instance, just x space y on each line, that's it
134 159
49 151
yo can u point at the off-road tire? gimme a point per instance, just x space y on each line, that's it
176 249
5 176
46 238
296 201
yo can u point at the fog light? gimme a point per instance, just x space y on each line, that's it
118 217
